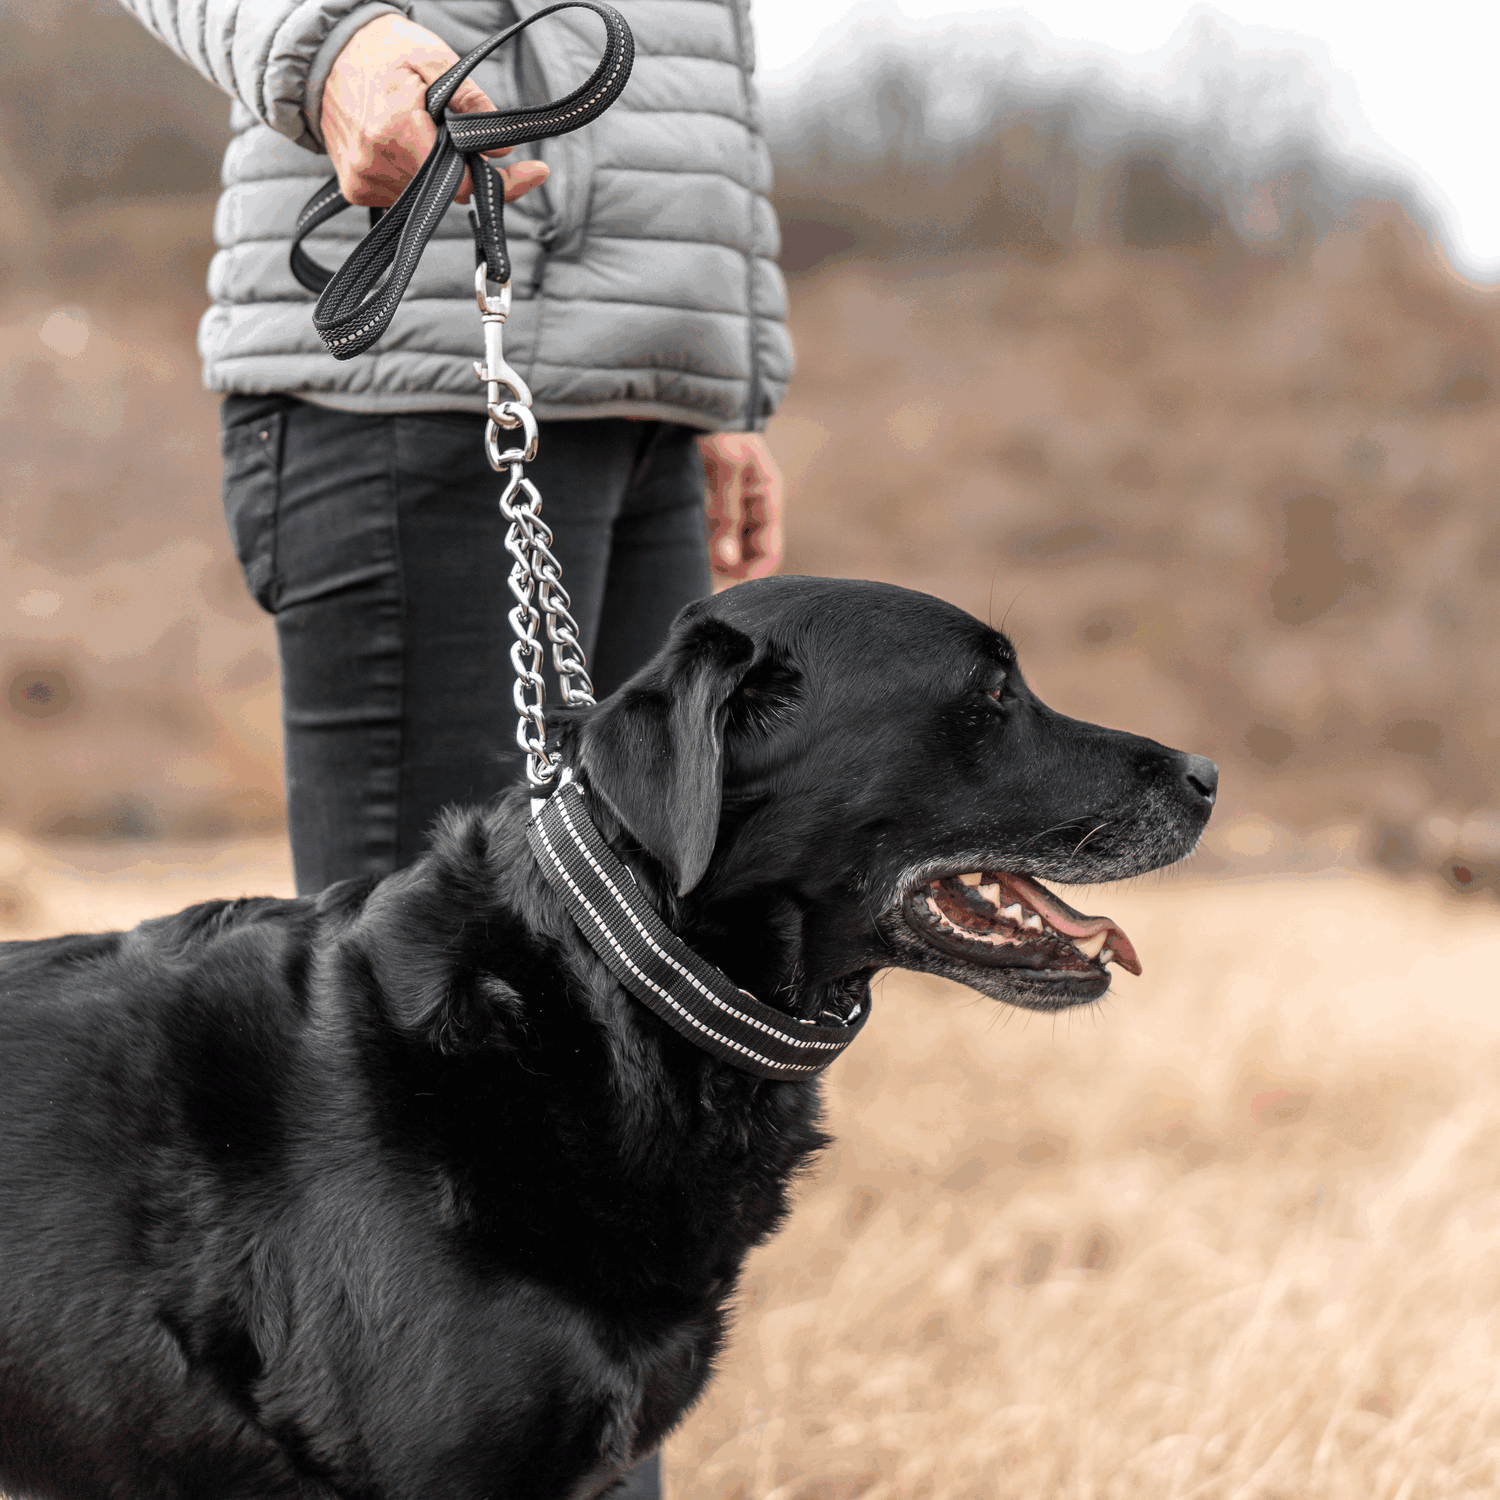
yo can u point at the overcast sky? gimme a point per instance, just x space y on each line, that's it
1410 87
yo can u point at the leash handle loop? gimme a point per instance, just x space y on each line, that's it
357 302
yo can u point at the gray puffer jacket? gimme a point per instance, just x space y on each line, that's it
644 271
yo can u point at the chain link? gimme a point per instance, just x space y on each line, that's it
536 584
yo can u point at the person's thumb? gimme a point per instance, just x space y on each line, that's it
522 177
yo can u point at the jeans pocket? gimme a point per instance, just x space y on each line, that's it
252 490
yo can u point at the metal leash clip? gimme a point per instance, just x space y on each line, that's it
535 575
493 371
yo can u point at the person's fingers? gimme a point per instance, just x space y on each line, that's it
522 177
759 532
379 185
733 560
744 505
468 99
760 536
724 558
724 545
430 63
722 509
519 179
753 534
772 533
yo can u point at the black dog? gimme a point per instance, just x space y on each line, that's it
393 1193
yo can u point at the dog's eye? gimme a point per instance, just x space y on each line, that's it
1000 691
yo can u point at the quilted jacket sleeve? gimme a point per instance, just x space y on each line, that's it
273 56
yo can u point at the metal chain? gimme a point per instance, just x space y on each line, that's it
535 576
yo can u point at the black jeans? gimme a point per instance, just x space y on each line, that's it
378 544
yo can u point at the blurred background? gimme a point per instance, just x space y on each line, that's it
1200 401
1203 412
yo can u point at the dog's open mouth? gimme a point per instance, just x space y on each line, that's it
1001 920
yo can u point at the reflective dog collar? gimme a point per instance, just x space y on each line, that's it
658 968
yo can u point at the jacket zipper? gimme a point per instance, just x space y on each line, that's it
545 238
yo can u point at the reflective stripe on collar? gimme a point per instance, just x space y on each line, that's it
657 967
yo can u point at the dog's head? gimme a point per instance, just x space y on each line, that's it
838 777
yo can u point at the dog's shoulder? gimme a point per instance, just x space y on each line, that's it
188 932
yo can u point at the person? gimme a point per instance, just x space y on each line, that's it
648 320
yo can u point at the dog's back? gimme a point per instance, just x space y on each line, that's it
125 1071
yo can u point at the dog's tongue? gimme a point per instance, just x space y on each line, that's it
1072 923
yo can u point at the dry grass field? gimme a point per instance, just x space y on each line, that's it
1247 508
1233 1234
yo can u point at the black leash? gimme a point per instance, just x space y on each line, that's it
658 968
358 301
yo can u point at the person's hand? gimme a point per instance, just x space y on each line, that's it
374 123
744 505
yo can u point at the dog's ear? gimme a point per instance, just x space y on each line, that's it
654 751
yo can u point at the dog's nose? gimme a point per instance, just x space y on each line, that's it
1202 777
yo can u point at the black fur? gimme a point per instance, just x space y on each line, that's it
392 1192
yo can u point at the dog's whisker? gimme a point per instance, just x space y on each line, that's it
1081 842
1036 838
1016 599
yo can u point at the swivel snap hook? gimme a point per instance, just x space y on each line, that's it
494 372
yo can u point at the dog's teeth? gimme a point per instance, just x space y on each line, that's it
972 878
1012 913
1090 946
991 893
1033 922
1107 955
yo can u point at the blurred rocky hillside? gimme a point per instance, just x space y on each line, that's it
1216 438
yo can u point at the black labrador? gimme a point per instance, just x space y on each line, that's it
394 1193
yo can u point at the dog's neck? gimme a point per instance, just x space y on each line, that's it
473 944
506 1052
757 937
